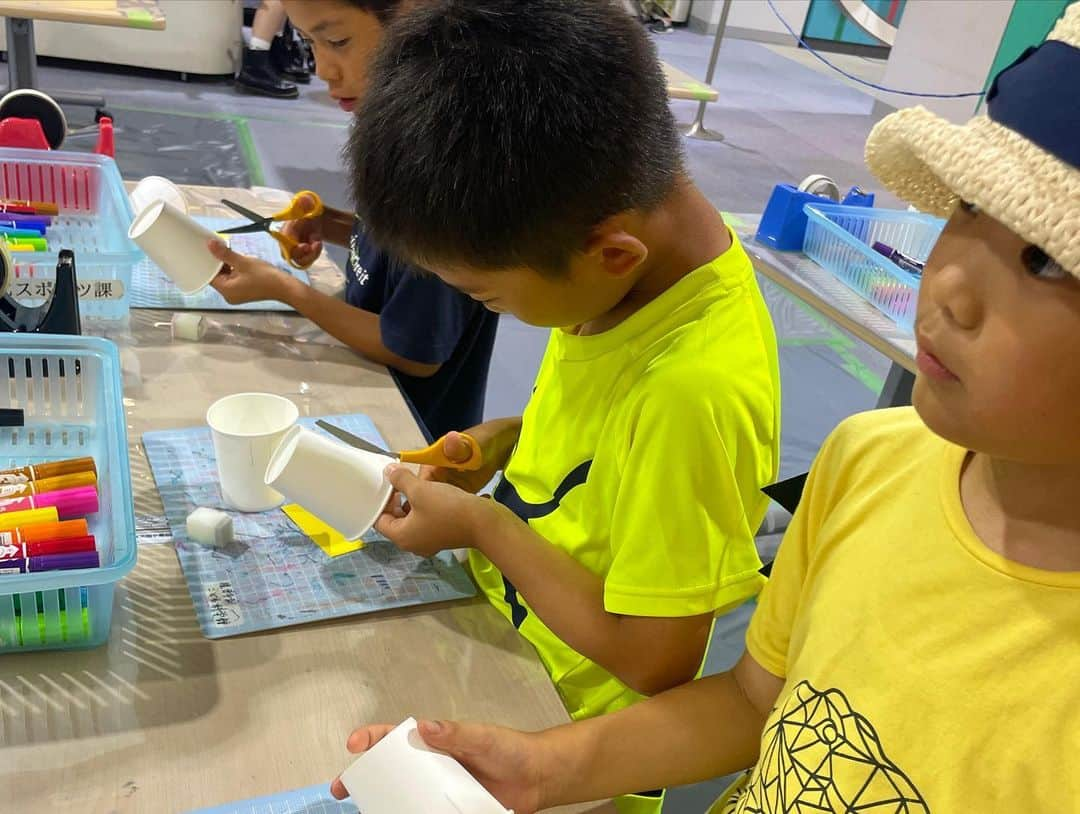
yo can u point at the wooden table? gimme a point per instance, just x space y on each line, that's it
22 54
804 278
162 720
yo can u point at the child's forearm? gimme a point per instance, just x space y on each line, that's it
355 327
648 655
705 729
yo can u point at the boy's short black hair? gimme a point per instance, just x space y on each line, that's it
383 9
499 133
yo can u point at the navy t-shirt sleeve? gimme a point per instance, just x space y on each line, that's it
423 319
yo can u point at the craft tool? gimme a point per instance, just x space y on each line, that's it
261 223
908 264
39 224
29 207
51 562
26 244
13 232
42 532
49 469
40 487
71 545
12 417
433 455
16 520
69 503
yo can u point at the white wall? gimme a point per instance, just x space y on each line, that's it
945 46
751 19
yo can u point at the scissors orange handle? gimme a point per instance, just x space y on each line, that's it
294 211
436 456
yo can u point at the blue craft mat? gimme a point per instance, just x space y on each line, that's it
312 800
150 288
278 576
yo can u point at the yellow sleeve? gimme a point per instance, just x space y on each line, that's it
769 634
680 539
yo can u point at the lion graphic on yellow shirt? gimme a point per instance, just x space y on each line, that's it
820 755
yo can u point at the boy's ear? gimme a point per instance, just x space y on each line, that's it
615 251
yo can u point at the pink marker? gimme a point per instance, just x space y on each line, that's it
69 503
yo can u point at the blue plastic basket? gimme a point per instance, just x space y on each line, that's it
839 239
70 391
95 213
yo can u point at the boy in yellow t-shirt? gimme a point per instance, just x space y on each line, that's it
917 646
525 153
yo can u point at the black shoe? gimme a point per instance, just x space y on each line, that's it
257 76
287 57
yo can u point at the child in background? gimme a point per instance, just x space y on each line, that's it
525 153
436 341
917 645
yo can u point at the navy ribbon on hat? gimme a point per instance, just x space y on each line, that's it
1038 96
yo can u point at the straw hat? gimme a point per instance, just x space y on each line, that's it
1019 161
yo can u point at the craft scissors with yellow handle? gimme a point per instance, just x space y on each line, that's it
432 456
261 223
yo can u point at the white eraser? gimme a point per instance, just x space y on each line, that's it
210 527
403 775
191 327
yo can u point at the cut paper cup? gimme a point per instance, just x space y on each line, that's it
403 775
247 428
154 188
177 243
342 486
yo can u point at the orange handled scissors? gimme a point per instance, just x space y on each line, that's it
261 223
432 456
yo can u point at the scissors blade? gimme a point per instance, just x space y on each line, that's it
353 440
255 217
244 229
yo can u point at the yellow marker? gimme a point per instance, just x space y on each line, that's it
13 520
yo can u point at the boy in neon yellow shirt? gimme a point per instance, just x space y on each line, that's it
916 647
548 182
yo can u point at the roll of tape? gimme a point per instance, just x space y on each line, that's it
189 327
821 185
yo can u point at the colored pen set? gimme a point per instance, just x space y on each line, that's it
23 224
43 509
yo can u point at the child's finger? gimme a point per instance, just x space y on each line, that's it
402 479
456 448
223 252
338 790
362 739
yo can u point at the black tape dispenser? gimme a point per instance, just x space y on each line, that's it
58 315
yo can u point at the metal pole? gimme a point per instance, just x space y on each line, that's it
22 58
696 128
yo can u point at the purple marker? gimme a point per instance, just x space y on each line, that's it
51 562
902 260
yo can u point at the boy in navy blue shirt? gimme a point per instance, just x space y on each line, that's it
436 341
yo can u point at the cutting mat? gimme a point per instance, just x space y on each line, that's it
273 575
150 288
312 800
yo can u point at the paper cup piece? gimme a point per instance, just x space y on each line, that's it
342 486
177 243
403 775
154 188
247 428
188 326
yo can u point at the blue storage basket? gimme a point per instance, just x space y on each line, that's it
839 239
69 388
95 214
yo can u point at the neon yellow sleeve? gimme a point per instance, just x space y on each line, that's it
681 542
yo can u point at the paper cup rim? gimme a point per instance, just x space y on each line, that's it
280 457
228 434
146 217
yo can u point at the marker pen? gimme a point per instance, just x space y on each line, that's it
16 520
39 532
902 260
25 244
39 487
51 469
69 503
13 232
12 221
52 562
72 545
29 207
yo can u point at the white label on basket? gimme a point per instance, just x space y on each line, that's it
223 605
30 288
12 477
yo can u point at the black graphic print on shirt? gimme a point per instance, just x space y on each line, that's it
820 755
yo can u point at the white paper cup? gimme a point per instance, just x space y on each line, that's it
177 243
342 486
154 188
247 428
403 775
